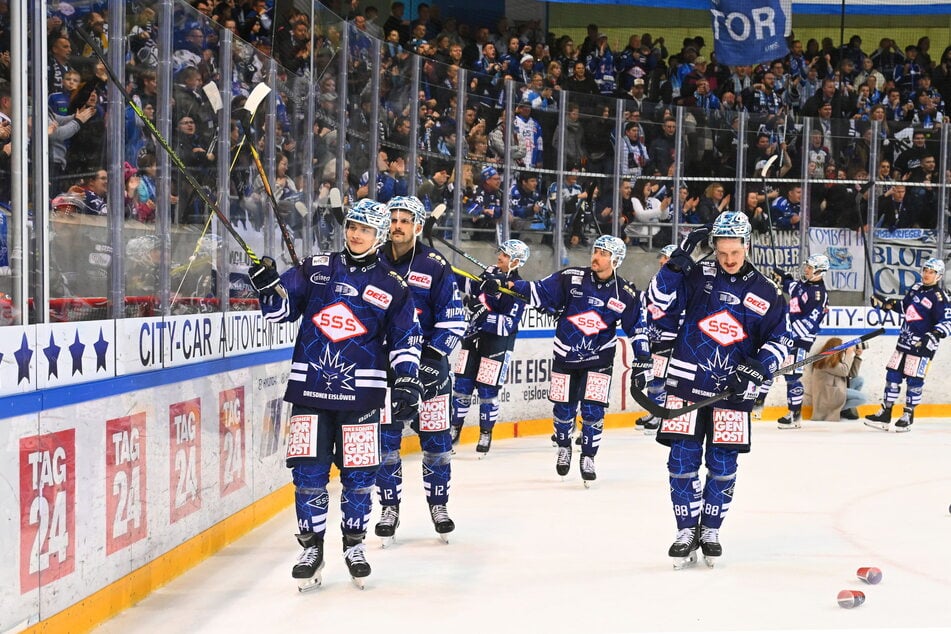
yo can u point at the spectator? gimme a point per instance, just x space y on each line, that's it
497 142
906 74
580 81
485 205
911 158
198 161
754 212
786 210
571 135
836 383
899 211
529 134
663 149
600 63
648 210
598 130
714 201
887 57
58 62
145 196
634 154
526 203
90 194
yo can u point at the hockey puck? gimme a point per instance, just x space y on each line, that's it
869 575
849 599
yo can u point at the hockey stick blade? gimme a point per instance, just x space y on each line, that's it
654 409
214 95
259 94
431 221
769 164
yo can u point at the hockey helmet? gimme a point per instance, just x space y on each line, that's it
613 245
517 250
667 251
731 224
139 249
410 204
818 262
372 214
936 265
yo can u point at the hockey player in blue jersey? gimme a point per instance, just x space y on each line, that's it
927 321
591 302
486 349
442 320
732 338
357 322
808 305
661 343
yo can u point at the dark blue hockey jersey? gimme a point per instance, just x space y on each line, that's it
726 319
500 314
438 303
586 332
357 322
808 304
925 308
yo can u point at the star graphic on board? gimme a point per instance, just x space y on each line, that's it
52 356
76 350
101 346
23 356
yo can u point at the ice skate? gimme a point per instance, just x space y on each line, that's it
385 529
882 419
563 461
792 420
441 520
485 443
710 545
587 470
307 569
355 557
651 425
904 423
554 440
757 413
684 549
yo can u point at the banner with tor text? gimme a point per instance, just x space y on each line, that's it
748 32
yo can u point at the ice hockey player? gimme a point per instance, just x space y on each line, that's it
442 320
660 353
357 321
486 349
927 321
808 305
591 302
731 340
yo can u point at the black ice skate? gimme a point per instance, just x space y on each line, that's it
792 420
389 522
882 419
307 569
650 424
710 545
485 442
441 520
684 549
563 461
904 423
587 470
355 557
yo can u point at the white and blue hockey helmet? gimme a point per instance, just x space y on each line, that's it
613 245
516 250
411 204
141 248
936 265
372 214
818 262
731 224
667 251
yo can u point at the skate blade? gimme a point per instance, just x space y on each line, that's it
444 537
793 426
359 582
902 430
308 585
877 425
386 542
685 562
650 432
756 415
711 562
587 483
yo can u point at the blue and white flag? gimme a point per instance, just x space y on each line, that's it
748 32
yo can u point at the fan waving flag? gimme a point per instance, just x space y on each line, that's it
748 32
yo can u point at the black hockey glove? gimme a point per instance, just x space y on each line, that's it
695 238
406 396
882 303
491 282
264 277
680 260
745 381
642 372
930 341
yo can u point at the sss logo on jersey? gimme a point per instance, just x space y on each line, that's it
588 322
723 328
338 323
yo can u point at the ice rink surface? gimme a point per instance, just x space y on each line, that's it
533 553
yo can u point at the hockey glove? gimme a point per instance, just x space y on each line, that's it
642 372
264 277
491 282
882 303
433 371
695 238
745 381
930 341
777 275
407 395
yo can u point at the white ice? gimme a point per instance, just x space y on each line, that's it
533 553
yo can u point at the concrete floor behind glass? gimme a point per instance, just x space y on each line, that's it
533 553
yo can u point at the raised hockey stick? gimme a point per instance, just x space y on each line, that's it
285 232
251 104
769 214
666 413
176 160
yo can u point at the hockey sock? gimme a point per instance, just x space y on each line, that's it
311 506
794 393
356 501
563 431
591 436
913 392
437 469
683 465
718 492
488 408
389 478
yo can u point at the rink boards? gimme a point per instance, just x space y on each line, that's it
136 448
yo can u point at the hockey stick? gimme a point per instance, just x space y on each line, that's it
769 214
868 258
666 413
251 104
176 160
285 232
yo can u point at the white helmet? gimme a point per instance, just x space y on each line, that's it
139 249
372 214
731 224
411 204
668 250
516 250
614 246
936 265
818 262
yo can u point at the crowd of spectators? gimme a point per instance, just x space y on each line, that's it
844 89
